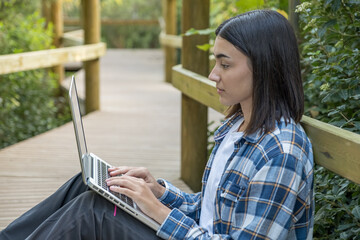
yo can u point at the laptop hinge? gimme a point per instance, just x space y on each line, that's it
88 164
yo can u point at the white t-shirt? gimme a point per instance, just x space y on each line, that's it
223 153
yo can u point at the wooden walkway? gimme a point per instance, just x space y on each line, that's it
138 125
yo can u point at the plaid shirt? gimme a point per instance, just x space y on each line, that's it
266 191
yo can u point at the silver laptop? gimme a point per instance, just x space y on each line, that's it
95 171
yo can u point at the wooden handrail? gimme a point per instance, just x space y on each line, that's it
197 87
121 22
170 40
168 24
73 38
47 58
334 148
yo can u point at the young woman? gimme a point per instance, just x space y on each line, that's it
258 183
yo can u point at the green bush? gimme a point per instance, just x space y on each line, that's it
10 9
331 61
27 103
337 203
330 46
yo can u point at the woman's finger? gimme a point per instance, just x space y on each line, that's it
139 191
113 171
124 182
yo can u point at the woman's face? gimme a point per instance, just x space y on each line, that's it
232 74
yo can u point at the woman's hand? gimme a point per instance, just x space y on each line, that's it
139 172
138 189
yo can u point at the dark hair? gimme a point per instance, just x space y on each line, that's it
268 40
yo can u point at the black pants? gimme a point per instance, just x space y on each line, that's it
75 212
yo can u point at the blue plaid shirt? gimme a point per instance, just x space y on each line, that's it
266 191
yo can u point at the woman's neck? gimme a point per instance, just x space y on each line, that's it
246 110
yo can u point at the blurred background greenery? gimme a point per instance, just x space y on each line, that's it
128 36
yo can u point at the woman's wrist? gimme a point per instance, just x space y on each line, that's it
161 213
159 190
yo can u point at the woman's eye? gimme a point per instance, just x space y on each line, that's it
225 66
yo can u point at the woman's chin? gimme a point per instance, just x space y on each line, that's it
225 102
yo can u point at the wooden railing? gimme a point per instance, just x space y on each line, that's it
117 22
88 50
48 58
334 148
168 36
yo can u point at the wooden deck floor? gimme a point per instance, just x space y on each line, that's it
138 125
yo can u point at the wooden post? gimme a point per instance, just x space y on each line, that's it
91 20
45 10
293 16
169 15
57 19
195 14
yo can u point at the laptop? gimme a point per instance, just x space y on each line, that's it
95 170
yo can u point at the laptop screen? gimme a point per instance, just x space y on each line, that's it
76 115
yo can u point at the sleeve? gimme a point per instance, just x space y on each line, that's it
264 210
188 203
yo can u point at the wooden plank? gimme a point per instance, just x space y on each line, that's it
58 22
116 22
169 14
169 40
195 14
293 16
334 148
197 87
91 15
193 146
46 10
73 38
91 10
48 58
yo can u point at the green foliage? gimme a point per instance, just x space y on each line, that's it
224 9
337 203
10 9
331 59
27 103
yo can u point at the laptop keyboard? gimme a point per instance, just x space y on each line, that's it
103 174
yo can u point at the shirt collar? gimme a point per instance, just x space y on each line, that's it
254 137
226 126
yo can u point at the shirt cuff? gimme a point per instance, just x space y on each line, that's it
163 183
172 195
176 225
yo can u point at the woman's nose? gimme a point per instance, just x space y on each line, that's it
213 76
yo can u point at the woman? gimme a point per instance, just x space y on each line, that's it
258 183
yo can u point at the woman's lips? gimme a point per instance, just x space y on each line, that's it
220 90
